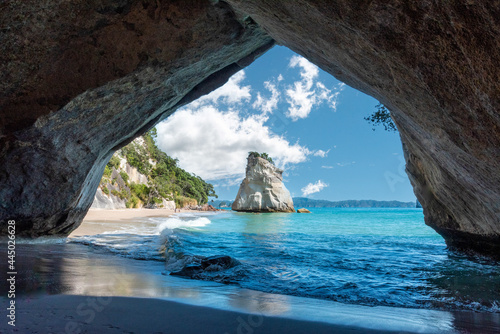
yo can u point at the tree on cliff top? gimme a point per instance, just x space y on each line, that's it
382 117
261 155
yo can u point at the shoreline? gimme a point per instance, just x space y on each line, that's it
119 218
125 214
122 294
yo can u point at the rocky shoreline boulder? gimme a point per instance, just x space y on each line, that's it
211 263
262 190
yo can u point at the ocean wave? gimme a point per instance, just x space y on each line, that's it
45 240
150 239
175 222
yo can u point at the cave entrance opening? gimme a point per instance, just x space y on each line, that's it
312 125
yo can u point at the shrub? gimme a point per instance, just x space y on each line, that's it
140 191
105 190
123 194
260 155
114 162
107 172
382 117
124 176
133 202
183 201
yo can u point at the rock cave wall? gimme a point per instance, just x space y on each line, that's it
80 79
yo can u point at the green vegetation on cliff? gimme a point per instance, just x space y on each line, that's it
261 155
382 117
165 180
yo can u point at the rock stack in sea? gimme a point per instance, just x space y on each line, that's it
263 190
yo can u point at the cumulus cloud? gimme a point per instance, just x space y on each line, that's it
303 95
212 136
230 93
312 188
321 153
271 103
214 144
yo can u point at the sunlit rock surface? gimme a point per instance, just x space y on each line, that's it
262 189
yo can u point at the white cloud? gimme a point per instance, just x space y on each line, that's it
327 167
334 98
268 105
214 143
321 153
309 70
231 92
343 164
303 95
312 188
212 136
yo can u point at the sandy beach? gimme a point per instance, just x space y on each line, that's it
124 214
117 218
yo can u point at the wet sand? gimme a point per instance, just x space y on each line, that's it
58 314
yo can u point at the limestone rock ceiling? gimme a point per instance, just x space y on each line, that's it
82 78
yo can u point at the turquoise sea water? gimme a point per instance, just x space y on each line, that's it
358 256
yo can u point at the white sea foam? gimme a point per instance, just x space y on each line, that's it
161 226
39 240
145 239
175 222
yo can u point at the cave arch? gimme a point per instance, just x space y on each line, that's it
77 86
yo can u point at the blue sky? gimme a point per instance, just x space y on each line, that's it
310 123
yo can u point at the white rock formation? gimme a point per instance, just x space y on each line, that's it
263 190
134 175
108 202
169 205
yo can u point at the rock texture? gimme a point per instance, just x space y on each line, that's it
207 264
79 79
107 202
262 189
434 64
303 211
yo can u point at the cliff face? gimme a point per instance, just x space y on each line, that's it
79 80
123 186
262 190
141 175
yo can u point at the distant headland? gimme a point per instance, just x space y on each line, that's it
304 202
